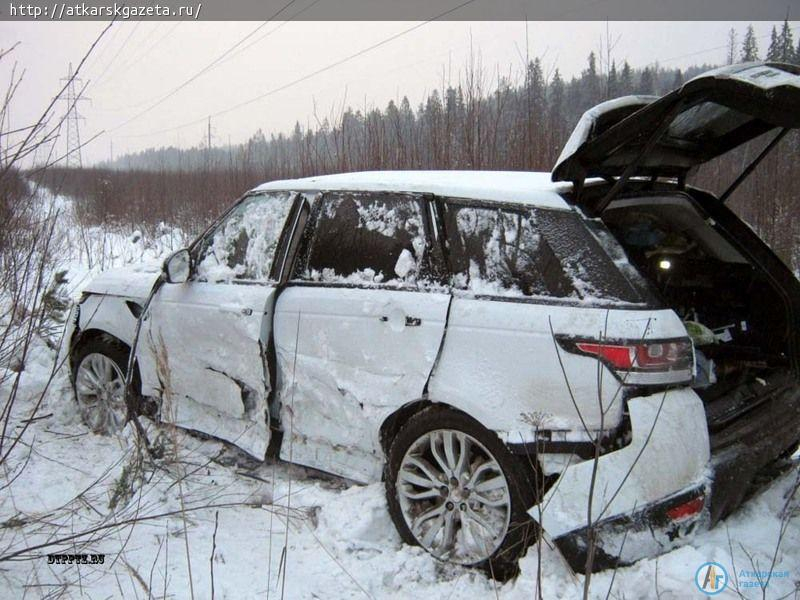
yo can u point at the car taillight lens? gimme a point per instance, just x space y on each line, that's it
649 356
687 509
641 363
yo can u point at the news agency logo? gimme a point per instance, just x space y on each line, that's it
711 578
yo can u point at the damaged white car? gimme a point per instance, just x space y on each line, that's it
494 345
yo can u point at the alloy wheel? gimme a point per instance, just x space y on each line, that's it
100 389
454 496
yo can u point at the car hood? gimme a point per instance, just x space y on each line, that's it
130 282
665 137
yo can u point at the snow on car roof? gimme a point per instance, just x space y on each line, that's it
524 187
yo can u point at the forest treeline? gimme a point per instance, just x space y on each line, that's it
483 121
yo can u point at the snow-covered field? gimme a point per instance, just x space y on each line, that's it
204 521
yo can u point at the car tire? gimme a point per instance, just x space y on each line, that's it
408 461
98 380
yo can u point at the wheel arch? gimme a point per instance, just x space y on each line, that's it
93 334
113 315
82 338
395 421
392 424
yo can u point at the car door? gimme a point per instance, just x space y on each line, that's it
357 329
205 340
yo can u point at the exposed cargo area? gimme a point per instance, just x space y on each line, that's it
730 308
738 321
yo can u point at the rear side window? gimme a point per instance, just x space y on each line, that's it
529 252
367 238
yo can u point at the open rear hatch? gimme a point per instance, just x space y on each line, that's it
711 114
741 304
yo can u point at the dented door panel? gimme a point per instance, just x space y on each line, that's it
347 359
205 345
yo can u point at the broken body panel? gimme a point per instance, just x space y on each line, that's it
202 351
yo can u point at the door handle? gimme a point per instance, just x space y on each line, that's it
235 309
410 321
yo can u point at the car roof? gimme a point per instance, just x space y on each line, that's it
522 187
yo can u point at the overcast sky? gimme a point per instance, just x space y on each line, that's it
137 63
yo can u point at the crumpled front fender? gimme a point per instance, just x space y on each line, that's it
70 325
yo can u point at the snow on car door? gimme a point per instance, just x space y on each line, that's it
206 339
357 331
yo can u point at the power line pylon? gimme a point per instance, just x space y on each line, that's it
73 119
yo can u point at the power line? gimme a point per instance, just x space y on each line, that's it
96 57
303 78
218 61
205 69
271 31
129 63
121 48
23 147
222 58
697 52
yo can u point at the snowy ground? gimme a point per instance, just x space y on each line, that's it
204 513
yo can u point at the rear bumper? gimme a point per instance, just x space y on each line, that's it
668 455
654 529
742 453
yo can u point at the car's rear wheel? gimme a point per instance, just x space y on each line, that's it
455 489
99 380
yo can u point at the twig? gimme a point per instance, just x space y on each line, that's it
213 550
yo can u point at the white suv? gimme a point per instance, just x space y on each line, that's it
502 348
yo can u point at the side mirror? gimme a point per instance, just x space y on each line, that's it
177 267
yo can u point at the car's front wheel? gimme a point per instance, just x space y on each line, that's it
455 489
99 380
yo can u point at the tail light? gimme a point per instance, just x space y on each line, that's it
687 509
656 362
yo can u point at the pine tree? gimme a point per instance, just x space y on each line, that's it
535 99
677 81
786 43
626 79
773 52
647 82
612 89
556 100
591 81
749 46
537 85
557 124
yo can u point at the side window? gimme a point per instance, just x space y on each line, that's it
529 252
497 251
242 246
367 238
